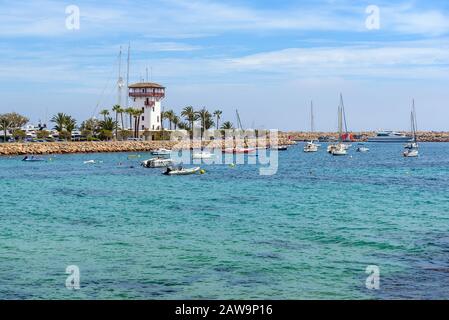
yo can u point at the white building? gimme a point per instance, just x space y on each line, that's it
147 96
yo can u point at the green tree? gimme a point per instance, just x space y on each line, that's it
130 113
176 121
190 116
90 127
227 125
169 115
107 124
59 120
5 124
19 134
70 125
43 134
117 109
217 115
104 113
137 116
11 121
206 119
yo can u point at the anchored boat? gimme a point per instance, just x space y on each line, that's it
157 163
411 149
181 171
340 149
161 152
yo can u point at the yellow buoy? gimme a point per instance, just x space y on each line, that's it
202 171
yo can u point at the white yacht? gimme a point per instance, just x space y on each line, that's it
390 136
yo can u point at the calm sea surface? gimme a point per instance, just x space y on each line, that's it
307 232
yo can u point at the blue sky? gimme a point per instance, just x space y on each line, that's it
266 58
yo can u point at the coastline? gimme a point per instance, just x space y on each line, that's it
11 149
42 148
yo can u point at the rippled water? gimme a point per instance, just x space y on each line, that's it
307 232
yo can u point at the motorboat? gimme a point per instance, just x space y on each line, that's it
161 152
339 150
33 159
203 155
157 162
280 148
311 147
181 171
362 149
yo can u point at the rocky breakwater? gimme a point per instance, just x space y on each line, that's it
81 147
9 149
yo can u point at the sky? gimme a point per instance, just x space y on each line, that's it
268 59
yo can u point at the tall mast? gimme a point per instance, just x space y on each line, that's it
127 74
120 80
238 120
340 123
312 126
414 123
343 113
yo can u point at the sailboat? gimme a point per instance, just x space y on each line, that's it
242 150
311 146
340 149
411 149
203 154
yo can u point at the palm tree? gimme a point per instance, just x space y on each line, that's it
130 113
5 123
116 109
60 121
176 121
183 125
169 115
70 125
190 115
137 116
206 119
227 125
107 127
217 114
104 113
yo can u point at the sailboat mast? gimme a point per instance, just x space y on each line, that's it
312 126
238 120
119 81
414 122
340 123
127 73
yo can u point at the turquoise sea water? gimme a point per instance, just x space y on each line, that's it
308 232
